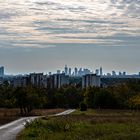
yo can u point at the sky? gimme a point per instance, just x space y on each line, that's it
44 35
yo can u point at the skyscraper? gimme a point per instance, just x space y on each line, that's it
113 73
101 71
75 71
97 71
58 71
66 70
69 71
124 73
1 71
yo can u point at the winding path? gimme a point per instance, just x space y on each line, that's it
10 130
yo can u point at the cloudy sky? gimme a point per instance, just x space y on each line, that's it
44 35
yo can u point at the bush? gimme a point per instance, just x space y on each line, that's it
83 106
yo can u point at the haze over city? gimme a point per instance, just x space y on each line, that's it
44 35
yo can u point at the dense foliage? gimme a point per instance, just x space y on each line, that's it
124 95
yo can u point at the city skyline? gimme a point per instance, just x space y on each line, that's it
74 71
44 35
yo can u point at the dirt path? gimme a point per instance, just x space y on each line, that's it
10 131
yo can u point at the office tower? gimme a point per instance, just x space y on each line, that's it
80 72
75 71
58 71
1 71
90 80
120 73
113 73
124 73
66 70
69 71
86 71
108 74
97 71
101 71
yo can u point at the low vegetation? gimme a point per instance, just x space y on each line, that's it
87 125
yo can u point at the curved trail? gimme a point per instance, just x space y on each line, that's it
10 130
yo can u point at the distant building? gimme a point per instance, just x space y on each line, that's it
90 80
36 79
69 71
58 71
80 72
19 81
86 71
120 74
97 71
124 73
66 70
50 73
75 71
1 71
101 71
58 80
108 74
113 73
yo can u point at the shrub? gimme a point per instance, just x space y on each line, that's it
83 106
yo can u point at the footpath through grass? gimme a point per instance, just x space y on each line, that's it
8 115
90 125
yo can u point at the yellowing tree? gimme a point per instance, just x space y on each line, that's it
134 102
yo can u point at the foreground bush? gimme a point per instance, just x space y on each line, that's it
83 106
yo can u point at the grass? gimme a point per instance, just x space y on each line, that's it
89 125
8 115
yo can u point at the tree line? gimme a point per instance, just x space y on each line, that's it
121 96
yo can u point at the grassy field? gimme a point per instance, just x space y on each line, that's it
8 115
89 125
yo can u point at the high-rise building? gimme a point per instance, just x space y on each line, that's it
1 71
75 71
120 74
97 71
86 71
101 71
69 71
58 80
124 73
80 72
90 80
20 81
66 70
113 73
36 79
50 73
58 71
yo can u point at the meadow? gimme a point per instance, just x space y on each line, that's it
87 125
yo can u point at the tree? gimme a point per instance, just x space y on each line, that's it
26 99
134 102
